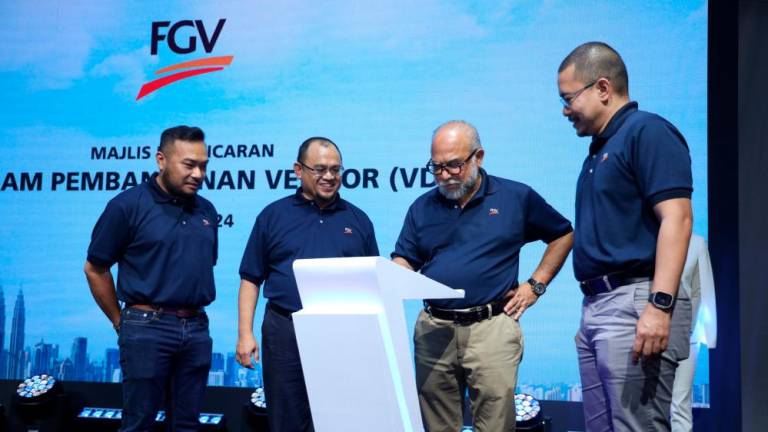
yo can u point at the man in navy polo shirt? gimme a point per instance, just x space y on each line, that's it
633 222
315 222
467 234
163 237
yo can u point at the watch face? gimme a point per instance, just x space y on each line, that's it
662 300
539 288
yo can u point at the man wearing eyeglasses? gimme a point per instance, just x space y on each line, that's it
467 234
315 222
633 223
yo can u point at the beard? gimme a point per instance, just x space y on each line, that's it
464 187
174 189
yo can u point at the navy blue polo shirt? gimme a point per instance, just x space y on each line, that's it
476 248
638 161
294 228
165 247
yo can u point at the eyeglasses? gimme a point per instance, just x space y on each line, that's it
321 170
568 98
453 168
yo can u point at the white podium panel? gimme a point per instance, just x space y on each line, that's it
354 344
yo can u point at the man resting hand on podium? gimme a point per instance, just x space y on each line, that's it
467 234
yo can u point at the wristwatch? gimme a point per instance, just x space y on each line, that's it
539 288
661 300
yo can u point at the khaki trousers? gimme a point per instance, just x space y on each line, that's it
482 357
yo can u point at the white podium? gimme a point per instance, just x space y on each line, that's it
354 344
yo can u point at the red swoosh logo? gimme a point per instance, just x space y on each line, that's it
214 64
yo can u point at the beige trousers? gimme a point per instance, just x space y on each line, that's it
482 357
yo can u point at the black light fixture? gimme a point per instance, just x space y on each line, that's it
257 398
255 411
40 403
528 414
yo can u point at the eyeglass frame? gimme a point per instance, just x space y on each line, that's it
573 95
437 169
320 173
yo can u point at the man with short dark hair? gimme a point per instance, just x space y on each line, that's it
315 222
633 222
467 234
163 237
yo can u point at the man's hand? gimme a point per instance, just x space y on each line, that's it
247 347
652 334
520 299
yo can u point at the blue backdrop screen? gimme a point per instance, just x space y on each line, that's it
88 87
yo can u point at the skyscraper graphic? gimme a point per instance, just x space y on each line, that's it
42 358
16 354
3 352
79 357
111 362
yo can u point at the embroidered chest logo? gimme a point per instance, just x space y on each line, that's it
493 212
347 231
604 158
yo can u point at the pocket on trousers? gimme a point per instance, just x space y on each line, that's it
139 350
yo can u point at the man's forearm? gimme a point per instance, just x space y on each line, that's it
553 258
671 249
102 287
246 307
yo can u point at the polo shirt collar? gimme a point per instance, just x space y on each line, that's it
161 196
337 204
612 127
487 187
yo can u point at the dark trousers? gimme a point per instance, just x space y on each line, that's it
165 362
284 388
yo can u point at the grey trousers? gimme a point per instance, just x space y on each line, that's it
619 395
483 357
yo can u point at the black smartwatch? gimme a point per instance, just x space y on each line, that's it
661 300
539 288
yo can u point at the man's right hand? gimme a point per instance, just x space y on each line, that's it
247 351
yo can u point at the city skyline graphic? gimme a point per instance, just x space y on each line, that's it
19 362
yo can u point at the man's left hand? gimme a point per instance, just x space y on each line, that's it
520 299
652 334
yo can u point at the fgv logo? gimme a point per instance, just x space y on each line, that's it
181 45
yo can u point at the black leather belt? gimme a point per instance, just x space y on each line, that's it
186 312
280 310
609 282
468 316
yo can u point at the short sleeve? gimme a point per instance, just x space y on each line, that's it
110 237
407 243
254 266
215 216
371 247
542 222
662 163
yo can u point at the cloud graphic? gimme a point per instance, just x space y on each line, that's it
50 41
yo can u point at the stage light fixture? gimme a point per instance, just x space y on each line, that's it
528 413
257 398
38 400
255 411
38 386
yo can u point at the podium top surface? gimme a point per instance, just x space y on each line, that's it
361 284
